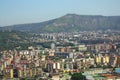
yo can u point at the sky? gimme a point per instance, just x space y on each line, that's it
33 11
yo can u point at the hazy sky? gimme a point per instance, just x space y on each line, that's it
30 11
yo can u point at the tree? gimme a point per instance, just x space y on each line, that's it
77 76
23 79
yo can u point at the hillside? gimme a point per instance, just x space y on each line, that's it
12 39
71 23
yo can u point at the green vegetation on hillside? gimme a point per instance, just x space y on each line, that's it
11 39
70 23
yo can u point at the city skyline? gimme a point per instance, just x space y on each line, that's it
29 11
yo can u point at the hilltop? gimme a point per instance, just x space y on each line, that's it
70 23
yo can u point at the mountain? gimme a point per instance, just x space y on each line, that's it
0 28
12 39
71 23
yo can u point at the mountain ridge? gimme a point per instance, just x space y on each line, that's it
70 23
